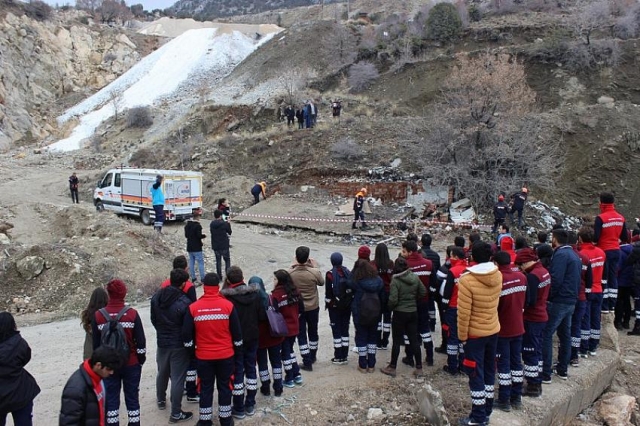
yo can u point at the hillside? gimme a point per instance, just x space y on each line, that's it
212 9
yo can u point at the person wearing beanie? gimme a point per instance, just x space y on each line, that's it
535 318
455 351
610 229
509 350
247 302
168 308
127 377
518 201
478 296
157 201
212 327
591 320
307 278
358 209
364 252
500 210
337 300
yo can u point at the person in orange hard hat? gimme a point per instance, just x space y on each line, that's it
517 205
358 209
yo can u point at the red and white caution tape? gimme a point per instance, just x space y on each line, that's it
426 222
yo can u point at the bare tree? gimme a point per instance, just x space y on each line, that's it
91 5
117 103
590 17
485 135
361 75
293 80
339 45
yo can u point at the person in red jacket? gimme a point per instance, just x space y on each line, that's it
586 281
610 228
212 326
535 318
422 268
455 351
590 335
127 377
290 305
509 351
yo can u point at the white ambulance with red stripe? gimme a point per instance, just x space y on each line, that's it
126 191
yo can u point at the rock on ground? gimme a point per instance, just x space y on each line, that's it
30 266
616 409
431 406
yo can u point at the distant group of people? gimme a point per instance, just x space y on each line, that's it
307 115
516 205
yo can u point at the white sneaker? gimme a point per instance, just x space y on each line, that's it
354 349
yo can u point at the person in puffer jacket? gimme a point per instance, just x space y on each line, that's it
406 289
365 279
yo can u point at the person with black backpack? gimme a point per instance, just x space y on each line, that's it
120 327
338 298
366 309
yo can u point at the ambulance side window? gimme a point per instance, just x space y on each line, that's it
107 180
117 182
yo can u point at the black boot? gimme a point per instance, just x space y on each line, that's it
636 329
533 390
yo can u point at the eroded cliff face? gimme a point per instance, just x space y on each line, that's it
42 63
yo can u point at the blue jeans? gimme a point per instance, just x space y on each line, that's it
610 294
21 417
196 256
127 378
215 372
510 373
559 320
590 330
340 319
308 342
480 365
245 369
576 327
532 351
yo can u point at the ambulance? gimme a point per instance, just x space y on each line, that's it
127 191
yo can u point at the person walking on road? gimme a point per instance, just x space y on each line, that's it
220 231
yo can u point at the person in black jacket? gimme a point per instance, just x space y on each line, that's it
517 205
247 302
434 257
500 210
73 188
194 235
83 397
300 118
168 308
17 387
220 234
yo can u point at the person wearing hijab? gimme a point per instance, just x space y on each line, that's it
18 388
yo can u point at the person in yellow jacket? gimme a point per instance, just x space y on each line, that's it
259 188
478 296
358 208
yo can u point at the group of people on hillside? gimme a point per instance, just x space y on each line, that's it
307 115
516 205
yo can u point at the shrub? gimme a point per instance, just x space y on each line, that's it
346 149
139 117
38 10
361 75
443 23
475 15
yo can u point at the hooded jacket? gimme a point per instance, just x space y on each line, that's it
406 290
610 228
220 232
17 386
307 279
367 285
246 300
478 296
265 339
193 234
168 308
422 268
80 404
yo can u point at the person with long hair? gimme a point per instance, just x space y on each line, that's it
384 265
290 305
17 387
406 290
98 300
337 301
365 279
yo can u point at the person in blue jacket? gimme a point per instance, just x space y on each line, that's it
157 201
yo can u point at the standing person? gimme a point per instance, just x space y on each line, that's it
257 189
336 108
542 240
518 201
625 289
535 318
169 306
246 301
290 113
366 285
610 228
300 118
18 388
73 187
422 268
290 305
441 276
509 350
358 209
225 208
455 351
193 234
98 300
307 278
478 296
269 347
586 283
83 397
220 233
338 300
157 200
434 296
212 325
384 265
500 210
406 290
634 262
127 377
565 273
591 320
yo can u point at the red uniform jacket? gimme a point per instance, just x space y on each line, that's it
538 285
512 300
586 277
450 293
609 228
290 309
422 268
596 260
189 289
132 326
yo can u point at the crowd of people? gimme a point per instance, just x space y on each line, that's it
306 115
499 307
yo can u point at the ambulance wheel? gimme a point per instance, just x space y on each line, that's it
99 206
145 215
